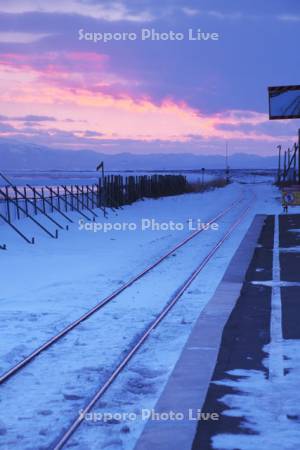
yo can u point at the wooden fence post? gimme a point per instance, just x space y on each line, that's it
25 199
65 202
34 201
7 205
43 200
51 200
17 203
58 197
72 198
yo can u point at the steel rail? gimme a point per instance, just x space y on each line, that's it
176 297
12 371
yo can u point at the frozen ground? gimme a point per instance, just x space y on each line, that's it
265 406
48 285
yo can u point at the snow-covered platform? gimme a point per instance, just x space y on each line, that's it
241 361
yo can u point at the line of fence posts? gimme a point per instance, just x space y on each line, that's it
120 191
113 191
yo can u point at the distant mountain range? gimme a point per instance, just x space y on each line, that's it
16 155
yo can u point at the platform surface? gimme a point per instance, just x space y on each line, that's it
240 362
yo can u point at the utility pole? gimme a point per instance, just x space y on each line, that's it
101 185
203 171
299 156
279 164
295 164
284 167
226 154
227 166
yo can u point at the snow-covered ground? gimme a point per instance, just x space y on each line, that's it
46 286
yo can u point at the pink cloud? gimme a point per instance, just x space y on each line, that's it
79 85
55 62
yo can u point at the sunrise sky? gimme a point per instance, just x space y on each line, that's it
147 96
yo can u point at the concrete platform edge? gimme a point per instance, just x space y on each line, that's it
187 386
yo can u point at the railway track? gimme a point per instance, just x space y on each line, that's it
53 340
64 439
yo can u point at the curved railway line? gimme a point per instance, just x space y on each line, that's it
67 433
63 440
28 359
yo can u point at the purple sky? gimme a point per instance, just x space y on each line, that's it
147 96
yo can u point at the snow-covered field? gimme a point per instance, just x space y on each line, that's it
46 286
